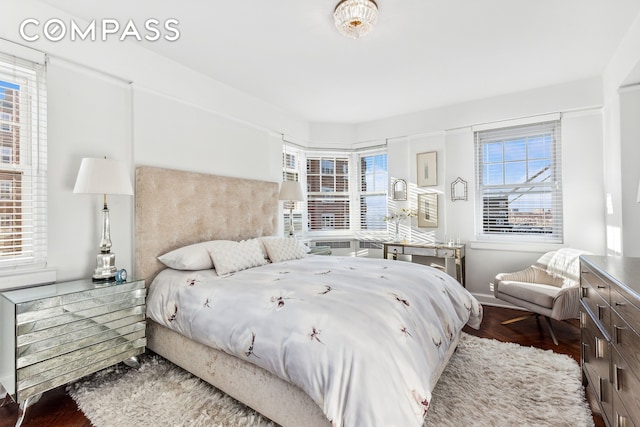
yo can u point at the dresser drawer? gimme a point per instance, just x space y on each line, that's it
625 386
620 417
595 281
595 359
626 310
597 305
626 341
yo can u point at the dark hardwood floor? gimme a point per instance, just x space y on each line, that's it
57 409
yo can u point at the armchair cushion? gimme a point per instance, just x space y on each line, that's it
535 293
549 287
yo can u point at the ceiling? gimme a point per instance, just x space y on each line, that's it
422 54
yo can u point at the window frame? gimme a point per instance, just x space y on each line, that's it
528 130
353 194
26 141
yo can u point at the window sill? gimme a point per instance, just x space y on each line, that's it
19 278
494 245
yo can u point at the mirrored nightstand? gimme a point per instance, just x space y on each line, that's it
58 333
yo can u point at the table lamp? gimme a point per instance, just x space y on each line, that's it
291 192
104 176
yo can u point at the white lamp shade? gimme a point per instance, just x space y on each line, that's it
291 190
103 176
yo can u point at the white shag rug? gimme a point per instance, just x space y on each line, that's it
487 383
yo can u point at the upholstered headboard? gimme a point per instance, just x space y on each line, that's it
175 208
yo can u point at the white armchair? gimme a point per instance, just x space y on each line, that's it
549 288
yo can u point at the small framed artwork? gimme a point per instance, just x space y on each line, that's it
428 210
427 169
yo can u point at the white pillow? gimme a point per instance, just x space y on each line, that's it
229 257
283 248
190 257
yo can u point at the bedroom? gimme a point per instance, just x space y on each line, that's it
137 123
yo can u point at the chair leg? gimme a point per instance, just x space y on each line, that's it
537 316
517 319
553 335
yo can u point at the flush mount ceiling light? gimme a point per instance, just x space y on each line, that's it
355 18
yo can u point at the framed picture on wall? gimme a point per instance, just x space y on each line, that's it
428 210
427 169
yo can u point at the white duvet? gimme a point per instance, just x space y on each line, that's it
365 338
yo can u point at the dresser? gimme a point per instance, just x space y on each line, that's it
58 333
449 253
610 335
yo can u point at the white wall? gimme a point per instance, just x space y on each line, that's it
169 116
630 169
621 157
88 116
179 118
448 131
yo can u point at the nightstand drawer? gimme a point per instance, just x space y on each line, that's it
72 372
52 347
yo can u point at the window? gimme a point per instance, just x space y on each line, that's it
5 122
328 193
290 172
374 184
346 191
519 182
23 156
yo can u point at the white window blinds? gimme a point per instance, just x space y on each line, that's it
374 184
328 193
518 175
23 163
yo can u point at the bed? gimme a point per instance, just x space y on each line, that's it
175 209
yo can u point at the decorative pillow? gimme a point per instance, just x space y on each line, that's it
283 248
191 257
229 257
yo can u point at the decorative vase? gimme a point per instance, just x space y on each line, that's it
397 230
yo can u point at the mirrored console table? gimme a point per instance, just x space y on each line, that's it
449 253
53 334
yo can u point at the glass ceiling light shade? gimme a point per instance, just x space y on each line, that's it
355 18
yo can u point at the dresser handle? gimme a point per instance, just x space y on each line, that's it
620 304
601 389
600 348
621 420
600 308
601 287
616 333
617 374
585 352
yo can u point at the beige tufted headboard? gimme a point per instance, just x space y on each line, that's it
175 208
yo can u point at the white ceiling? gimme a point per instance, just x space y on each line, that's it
422 54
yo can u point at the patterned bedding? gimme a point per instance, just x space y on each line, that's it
364 338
